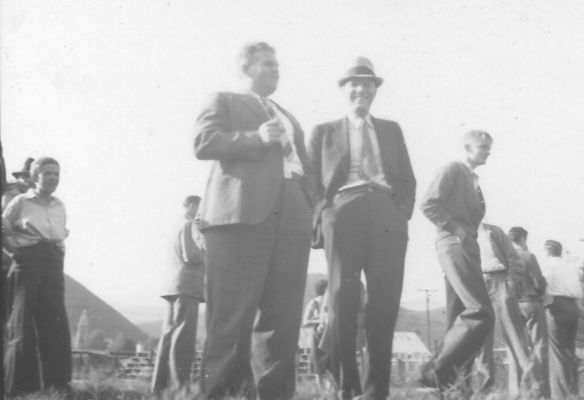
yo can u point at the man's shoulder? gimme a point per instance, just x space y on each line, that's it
385 123
328 127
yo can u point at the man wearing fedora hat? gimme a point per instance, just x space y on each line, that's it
366 189
563 290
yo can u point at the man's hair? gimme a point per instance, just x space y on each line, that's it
320 287
247 54
553 247
38 165
475 135
517 233
191 200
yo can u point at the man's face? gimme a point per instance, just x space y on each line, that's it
48 178
264 73
359 93
478 151
192 209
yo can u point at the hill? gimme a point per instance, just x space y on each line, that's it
100 314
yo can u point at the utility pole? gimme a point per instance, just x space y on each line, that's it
428 327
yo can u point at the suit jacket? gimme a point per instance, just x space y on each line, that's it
507 256
329 152
452 200
246 176
188 259
533 282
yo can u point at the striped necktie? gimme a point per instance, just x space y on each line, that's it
481 201
286 146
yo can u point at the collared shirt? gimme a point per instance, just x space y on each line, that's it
28 220
292 162
563 277
355 144
489 261
475 177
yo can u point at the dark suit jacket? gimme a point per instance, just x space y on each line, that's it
329 152
246 177
533 282
188 277
452 200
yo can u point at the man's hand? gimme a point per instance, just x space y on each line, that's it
271 132
460 233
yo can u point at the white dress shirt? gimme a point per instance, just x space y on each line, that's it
563 277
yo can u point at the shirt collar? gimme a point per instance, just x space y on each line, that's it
356 122
31 194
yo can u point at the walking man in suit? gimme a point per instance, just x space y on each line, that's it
176 349
366 190
530 298
256 220
454 203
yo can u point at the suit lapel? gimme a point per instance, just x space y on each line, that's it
254 104
341 138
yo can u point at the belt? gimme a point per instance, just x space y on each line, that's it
499 271
294 176
367 187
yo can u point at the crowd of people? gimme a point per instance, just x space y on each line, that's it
243 250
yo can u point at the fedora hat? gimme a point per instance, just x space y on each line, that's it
361 67
25 170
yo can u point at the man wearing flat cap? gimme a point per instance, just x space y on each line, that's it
366 189
563 290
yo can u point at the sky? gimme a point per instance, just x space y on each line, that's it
112 89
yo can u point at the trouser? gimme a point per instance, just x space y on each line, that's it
534 317
524 370
256 272
562 320
176 349
469 312
38 351
363 230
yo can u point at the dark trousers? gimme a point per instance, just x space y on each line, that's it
469 313
256 276
176 349
38 350
562 320
363 231
534 318
524 370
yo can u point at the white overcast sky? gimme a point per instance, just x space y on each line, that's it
111 88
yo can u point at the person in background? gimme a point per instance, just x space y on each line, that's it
530 298
454 203
564 288
21 184
256 220
34 231
311 319
176 349
502 270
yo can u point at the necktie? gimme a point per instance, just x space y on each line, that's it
286 146
481 201
368 168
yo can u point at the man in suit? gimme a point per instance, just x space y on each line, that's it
503 271
530 298
256 220
366 191
176 349
455 205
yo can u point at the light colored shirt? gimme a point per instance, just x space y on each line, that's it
28 220
563 277
292 162
489 261
356 144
